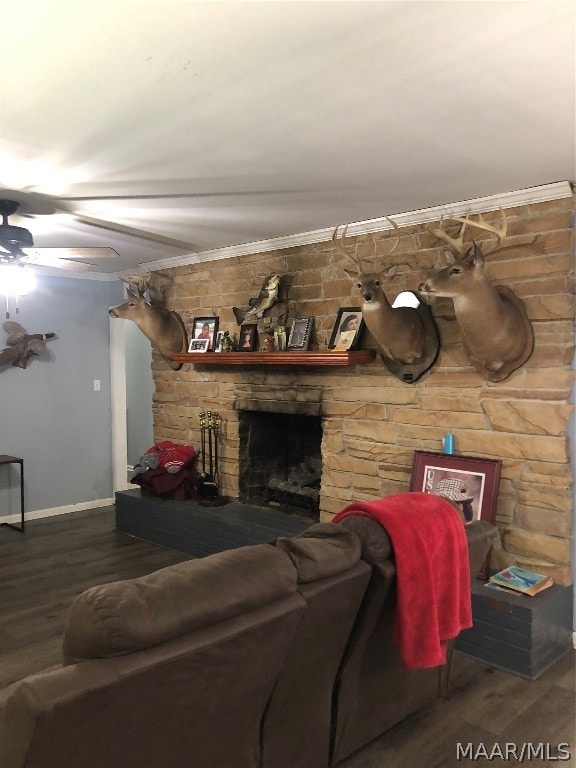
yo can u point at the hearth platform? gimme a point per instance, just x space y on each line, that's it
196 530
518 633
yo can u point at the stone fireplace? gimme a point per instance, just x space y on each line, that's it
372 423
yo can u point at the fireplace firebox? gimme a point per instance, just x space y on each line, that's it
281 461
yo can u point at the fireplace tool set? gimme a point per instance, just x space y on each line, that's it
208 478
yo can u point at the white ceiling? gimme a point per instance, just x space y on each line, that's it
168 127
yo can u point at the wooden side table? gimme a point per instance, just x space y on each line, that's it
16 460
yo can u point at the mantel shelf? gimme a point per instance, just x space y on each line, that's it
315 358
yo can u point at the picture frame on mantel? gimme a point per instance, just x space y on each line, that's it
248 335
347 329
205 328
198 345
471 482
300 333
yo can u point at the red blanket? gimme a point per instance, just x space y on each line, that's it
433 574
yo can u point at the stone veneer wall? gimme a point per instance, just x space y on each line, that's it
372 422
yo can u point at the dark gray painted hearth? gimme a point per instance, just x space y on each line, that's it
188 527
521 634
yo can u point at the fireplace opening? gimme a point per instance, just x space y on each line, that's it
281 461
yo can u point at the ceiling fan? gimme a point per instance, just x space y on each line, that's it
17 246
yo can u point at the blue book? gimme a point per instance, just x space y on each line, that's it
521 580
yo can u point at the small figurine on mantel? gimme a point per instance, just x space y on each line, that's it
265 328
226 343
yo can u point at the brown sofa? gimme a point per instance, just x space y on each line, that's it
268 656
171 670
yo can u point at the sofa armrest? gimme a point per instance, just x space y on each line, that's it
481 537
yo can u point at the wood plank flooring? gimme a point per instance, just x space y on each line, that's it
57 558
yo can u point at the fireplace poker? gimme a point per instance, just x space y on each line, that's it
210 444
203 440
216 430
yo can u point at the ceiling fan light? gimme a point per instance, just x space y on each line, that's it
15 280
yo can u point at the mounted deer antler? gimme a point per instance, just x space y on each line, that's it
163 327
457 243
401 332
496 333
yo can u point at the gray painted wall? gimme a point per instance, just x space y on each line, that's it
139 392
50 414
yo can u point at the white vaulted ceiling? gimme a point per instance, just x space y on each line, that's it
165 128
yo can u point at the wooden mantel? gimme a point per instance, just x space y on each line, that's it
314 358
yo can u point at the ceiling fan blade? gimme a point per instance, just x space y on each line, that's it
122 229
42 259
175 195
92 252
30 203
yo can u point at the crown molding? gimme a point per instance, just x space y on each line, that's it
529 196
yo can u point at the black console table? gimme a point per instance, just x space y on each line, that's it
15 460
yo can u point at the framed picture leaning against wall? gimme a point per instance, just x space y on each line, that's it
300 333
347 329
205 328
471 482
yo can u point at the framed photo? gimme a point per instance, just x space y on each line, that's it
470 482
247 338
198 345
205 328
300 334
218 341
347 329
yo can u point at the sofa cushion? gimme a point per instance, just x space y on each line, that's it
125 616
322 550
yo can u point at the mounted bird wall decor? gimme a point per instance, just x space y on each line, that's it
21 345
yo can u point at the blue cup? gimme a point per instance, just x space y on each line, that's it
448 443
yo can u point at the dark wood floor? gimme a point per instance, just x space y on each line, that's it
57 558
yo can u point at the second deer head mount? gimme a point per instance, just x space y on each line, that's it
163 327
496 332
407 336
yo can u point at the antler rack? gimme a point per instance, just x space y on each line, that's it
457 243
340 243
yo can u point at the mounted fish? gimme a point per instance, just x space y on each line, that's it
267 297
22 345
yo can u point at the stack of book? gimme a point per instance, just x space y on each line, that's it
519 580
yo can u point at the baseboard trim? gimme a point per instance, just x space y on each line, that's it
54 511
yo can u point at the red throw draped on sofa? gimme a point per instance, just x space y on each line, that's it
433 573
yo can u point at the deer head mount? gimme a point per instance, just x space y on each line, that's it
496 332
407 336
164 328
